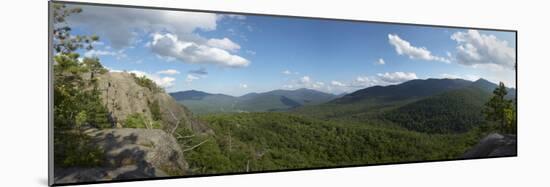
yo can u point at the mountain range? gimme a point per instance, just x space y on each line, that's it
431 105
277 100
364 102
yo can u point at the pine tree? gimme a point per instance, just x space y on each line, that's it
77 101
500 109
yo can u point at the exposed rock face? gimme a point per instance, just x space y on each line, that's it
123 96
130 154
494 145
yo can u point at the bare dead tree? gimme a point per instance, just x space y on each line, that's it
229 133
247 165
150 125
176 119
195 146
180 136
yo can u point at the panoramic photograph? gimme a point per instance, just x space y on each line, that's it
149 93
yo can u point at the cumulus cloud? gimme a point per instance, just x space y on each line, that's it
317 85
380 61
224 43
100 52
474 48
396 77
200 71
96 53
337 83
165 82
123 28
455 76
403 47
288 86
305 80
170 45
119 25
112 70
450 76
169 72
359 82
286 72
190 78
364 81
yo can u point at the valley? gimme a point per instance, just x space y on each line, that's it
370 126
277 100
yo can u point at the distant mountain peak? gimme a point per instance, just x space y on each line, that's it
482 80
410 89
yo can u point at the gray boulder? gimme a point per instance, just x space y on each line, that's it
130 154
493 145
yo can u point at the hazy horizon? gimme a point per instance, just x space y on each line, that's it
286 89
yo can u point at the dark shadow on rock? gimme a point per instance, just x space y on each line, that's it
143 169
493 145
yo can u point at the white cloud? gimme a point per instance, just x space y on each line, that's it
190 78
455 76
162 81
243 85
288 72
224 43
305 80
112 70
359 82
396 77
450 76
165 82
337 83
119 25
169 72
106 50
364 81
404 47
288 86
317 85
169 45
380 61
97 53
474 48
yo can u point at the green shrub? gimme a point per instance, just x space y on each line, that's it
147 83
76 150
155 109
137 120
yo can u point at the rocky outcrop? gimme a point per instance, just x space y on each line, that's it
493 145
130 154
123 97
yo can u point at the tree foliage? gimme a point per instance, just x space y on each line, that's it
147 83
275 141
456 111
77 100
501 110
137 120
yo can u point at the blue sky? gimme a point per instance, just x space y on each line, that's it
235 54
